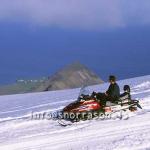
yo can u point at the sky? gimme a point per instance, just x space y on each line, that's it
37 38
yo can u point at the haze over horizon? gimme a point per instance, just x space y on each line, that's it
37 38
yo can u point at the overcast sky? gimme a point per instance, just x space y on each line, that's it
84 14
38 37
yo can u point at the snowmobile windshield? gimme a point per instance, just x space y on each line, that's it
84 91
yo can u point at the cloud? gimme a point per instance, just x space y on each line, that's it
83 14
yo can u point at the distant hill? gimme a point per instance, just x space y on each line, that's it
20 87
71 76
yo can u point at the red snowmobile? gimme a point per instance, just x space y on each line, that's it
89 104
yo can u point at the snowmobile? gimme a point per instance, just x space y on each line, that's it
87 105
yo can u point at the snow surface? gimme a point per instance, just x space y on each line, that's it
19 132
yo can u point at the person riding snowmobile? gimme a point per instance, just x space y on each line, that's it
112 94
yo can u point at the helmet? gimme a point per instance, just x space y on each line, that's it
127 88
112 78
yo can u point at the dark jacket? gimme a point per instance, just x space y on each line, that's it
113 91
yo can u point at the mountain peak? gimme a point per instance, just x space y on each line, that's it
76 64
71 76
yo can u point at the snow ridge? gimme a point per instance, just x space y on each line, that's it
19 132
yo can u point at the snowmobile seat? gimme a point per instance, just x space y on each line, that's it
125 99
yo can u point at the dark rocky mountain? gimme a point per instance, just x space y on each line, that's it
71 76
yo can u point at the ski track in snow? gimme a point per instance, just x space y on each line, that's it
19 132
